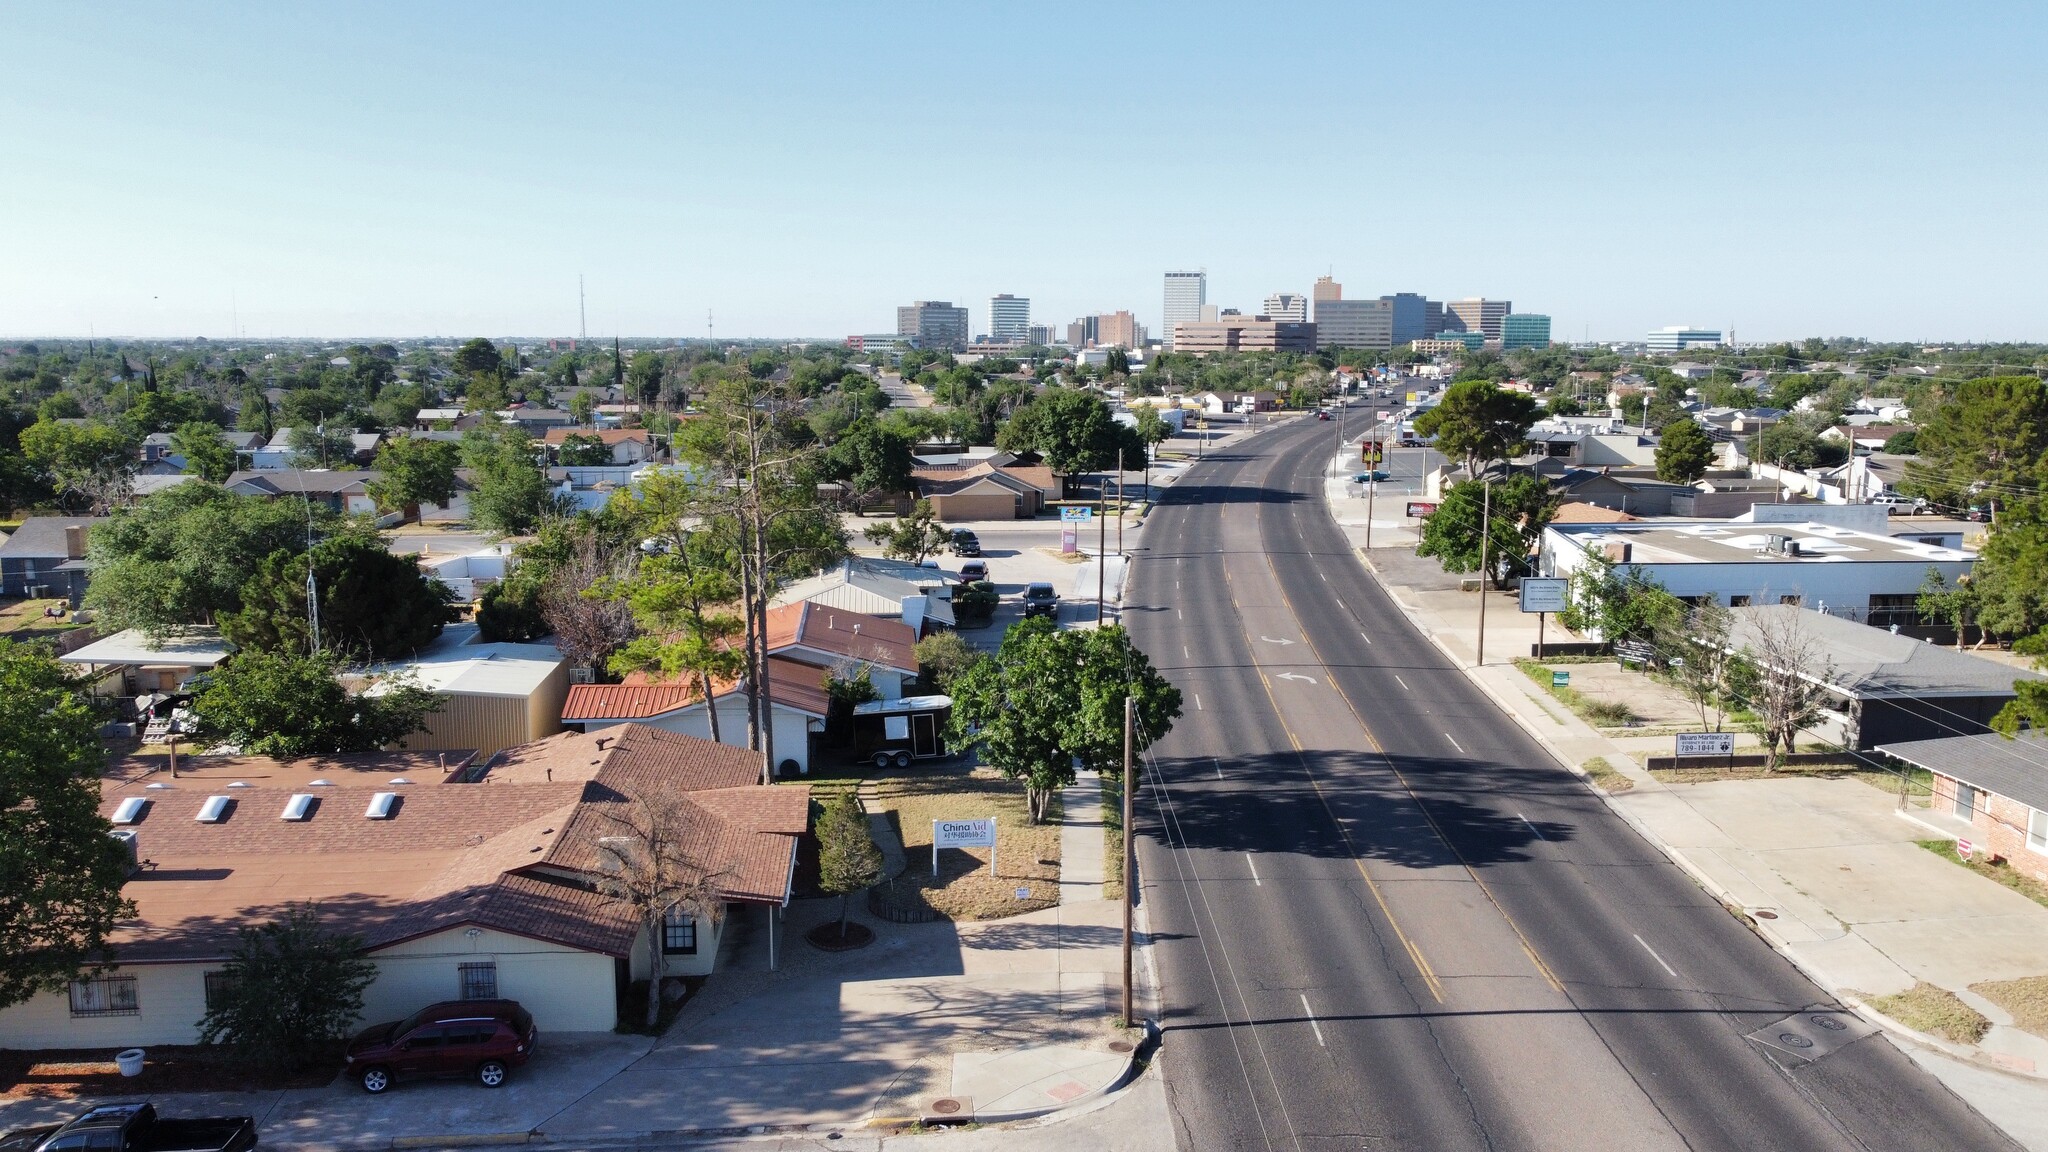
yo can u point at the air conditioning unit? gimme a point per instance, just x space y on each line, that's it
129 842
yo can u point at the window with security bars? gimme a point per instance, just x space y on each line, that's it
679 933
105 996
479 981
218 985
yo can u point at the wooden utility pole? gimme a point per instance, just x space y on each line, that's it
1130 851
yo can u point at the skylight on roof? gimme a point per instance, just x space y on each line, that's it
381 806
130 811
298 807
214 810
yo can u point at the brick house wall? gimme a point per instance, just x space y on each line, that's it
2001 825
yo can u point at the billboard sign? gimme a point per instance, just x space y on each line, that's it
1544 593
1418 509
1075 514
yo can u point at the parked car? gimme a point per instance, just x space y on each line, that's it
966 543
135 1127
1041 600
480 1038
1374 476
973 571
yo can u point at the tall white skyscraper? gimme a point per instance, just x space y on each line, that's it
1186 292
1287 306
1009 318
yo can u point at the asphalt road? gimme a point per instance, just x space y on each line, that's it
1386 918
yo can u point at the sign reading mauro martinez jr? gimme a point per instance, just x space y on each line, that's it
977 833
1706 744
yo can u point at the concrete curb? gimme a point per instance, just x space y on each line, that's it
1976 1058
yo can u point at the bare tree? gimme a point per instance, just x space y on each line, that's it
648 865
1790 669
589 627
1698 658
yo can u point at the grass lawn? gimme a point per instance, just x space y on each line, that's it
1598 713
1935 1011
1834 769
965 889
2026 998
1606 776
26 616
2002 872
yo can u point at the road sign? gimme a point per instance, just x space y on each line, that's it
1965 849
1075 514
1705 744
1418 509
1560 679
979 833
1544 593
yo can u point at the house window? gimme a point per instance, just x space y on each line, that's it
1794 601
679 933
105 996
479 981
1738 601
1969 801
2037 830
218 984
1900 608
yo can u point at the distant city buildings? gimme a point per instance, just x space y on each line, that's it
1477 314
1186 292
1411 316
879 342
1235 333
1326 289
1445 343
1042 334
1287 306
1117 330
1524 330
933 324
1081 333
1009 318
1678 338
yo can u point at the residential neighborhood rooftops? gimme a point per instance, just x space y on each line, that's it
1871 663
190 648
294 482
2017 768
793 685
43 537
821 634
690 762
453 663
1721 541
133 775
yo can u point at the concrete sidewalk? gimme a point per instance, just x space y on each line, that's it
1826 869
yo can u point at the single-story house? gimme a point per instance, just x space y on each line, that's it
535 419
46 557
493 695
341 490
129 663
862 585
837 640
1884 688
796 696
481 886
1994 790
997 487
628 445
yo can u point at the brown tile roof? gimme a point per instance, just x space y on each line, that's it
642 696
834 634
634 748
373 769
1578 512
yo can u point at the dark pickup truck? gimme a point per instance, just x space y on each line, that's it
135 1128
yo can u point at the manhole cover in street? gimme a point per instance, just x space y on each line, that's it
945 1107
1765 914
1812 1035
1120 1046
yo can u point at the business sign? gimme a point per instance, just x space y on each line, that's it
1544 593
1069 541
1965 849
1560 679
1417 509
1075 514
964 834
1706 744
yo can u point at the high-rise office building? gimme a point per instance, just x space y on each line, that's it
1230 332
1478 314
1009 318
1354 324
1041 334
1186 292
1678 338
1524 330
1082 332
933 324
1116 330
1432 318
1411 316
1326 289
1287 306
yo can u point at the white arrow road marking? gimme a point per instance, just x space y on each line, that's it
1270 640
1296 676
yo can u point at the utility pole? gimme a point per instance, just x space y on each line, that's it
1101 544
582 313
1119 502
1130 851
1485 527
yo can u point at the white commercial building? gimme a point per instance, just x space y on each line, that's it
1678 338
1009 319
1186 292
1287 306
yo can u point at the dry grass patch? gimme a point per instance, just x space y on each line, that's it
1112 839
2026 998
1606 775
965 889
1599 713
1935 1011
1997 870
1076 557
1707 772
64 1074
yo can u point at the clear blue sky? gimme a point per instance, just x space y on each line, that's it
1789 168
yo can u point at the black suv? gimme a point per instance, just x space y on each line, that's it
1041 600
966 543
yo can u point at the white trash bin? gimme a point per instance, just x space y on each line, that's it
129 1062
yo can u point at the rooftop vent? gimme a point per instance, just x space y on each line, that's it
214 810
239 784
400 780
130 811
157 785
381 806
319 784
299 806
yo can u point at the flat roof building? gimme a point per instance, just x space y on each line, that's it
1186 292
1244 334
1477 314
1009 318
1524 330
1287 306
1354 324
1678 338
933 324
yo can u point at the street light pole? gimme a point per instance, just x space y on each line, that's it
1119 502
1130 851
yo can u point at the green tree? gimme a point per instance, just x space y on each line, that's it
206 454
975 604
2010 578
510 609
510 493
373 605
683 606
1952 604
1904 443
1620 604
1993 432
1477 422
1514 518
1052 697
1072 430
60 871
944 657
1152 428
1684 452
289 705
578 450
290 986
872 459
180 557
93 462
582 405
916 537
848 860
1793 444
645 377
478 357
320 446
412 472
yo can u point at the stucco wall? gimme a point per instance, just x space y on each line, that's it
171 998
792 729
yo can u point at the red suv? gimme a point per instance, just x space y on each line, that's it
480 1038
